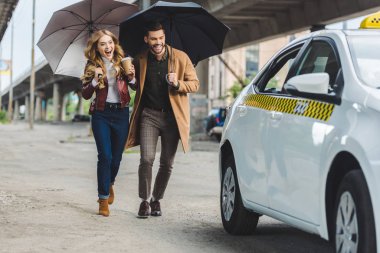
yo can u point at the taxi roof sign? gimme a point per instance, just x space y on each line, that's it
371 22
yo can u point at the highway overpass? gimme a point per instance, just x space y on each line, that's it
250 21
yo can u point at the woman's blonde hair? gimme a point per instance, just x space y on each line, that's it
95 59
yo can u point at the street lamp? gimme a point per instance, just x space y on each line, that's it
10 100
33 72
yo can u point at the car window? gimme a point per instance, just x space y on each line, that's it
278 72
223 114
213 112
319 58
366 60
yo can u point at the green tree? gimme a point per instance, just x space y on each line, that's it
132 94
3 117
237 87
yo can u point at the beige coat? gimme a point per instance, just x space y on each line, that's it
179 99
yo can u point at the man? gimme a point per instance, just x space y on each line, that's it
164 77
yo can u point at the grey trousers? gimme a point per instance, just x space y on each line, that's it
152 125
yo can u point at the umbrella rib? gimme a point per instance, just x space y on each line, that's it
109 25
63 28
80 36
104 15
83 35
64 53
91 10
79 17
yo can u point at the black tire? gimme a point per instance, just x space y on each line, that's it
241 221
210 123
354 188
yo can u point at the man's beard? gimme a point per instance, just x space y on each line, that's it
157 53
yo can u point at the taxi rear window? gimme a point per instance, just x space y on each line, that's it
366 58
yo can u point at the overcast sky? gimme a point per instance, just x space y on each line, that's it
22 18
22 35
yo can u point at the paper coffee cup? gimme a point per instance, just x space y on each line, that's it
126 63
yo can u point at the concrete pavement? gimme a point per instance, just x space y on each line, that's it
48 201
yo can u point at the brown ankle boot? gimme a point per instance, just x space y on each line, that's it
112 195
103 207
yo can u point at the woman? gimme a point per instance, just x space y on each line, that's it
110 113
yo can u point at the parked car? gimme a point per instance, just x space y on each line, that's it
301 142
215 122
81 118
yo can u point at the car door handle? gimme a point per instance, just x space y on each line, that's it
242 109
275 115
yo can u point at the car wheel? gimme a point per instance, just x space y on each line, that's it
210 124
354 221
236 219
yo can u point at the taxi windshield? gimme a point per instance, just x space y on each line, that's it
366 58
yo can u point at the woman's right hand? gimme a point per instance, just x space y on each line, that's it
98 74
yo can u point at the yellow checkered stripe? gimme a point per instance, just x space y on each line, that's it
303 107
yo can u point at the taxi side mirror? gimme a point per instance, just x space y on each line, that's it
312 86
317 83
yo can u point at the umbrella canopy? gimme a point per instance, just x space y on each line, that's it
188 27
65 37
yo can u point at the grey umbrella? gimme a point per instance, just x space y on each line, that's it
65 37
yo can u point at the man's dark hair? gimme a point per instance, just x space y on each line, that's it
152 27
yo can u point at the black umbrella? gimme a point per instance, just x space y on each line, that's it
188 27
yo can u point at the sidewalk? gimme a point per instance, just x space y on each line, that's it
48 201
48 194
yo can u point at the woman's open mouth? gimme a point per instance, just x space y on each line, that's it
108 53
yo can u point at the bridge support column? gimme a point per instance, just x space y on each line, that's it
202 73
199 101
40 106
56 102
26 117
63 100
38 109
16 111
44 109
79 109
80 105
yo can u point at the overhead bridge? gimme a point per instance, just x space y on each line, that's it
6 10
250 21
259 20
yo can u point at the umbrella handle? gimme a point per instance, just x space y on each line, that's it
171 60
100 81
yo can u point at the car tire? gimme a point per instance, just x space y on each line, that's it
237 220
210 123
354 221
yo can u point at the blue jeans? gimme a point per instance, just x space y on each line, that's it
110 128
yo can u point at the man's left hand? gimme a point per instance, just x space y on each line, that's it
172 80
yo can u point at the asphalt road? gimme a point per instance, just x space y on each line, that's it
48 201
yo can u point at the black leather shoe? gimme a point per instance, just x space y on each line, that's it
144 210
155 208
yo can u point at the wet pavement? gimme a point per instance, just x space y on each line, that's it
48 201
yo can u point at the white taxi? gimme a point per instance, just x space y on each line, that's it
301 143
